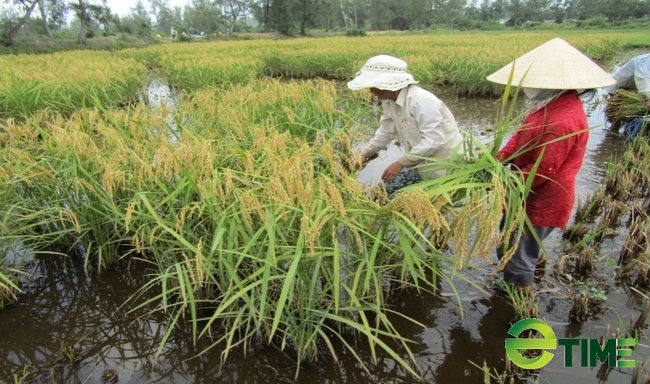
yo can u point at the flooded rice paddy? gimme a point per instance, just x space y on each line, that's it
69 328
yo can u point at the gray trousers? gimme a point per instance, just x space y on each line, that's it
520 269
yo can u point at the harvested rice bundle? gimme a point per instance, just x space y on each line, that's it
624 105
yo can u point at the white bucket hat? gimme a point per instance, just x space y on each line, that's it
382 72
555 64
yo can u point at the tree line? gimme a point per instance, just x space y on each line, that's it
209 17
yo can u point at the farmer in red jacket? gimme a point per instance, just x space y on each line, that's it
557 130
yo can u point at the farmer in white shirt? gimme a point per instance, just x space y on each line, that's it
635 74
421 121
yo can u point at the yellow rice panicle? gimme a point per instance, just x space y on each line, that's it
311 229
128 217
186 212
190 268
114 176
417 206
248 199
199 263
461 230
277 194
332 195
487 222
325 97
165 165
138 240
66 215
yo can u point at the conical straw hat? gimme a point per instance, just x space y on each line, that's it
555 64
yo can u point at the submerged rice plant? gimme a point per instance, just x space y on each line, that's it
243 204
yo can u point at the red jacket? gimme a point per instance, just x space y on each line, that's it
550 201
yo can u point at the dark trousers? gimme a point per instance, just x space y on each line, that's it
520 269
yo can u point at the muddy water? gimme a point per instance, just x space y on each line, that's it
68 310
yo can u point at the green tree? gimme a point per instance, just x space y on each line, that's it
381 13
232 11
138 21
202 16
617 10
261 10
329 14
41 6
306 13
492 9
585 9
559 10
448 12
57 12
281 16
522 11
140 13
418 13
26 8
88 12
166 17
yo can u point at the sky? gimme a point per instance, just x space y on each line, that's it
123 8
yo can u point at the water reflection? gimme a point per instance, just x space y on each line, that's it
158 93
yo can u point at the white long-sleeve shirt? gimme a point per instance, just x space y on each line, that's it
635 74
423 124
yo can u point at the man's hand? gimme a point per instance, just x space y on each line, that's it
391 172
647 105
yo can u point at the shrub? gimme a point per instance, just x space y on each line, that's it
356 32
594 22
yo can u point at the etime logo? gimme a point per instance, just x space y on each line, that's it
591 351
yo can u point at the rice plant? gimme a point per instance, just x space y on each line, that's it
635 244
637 326
525 304
249 216
575 232
619 183
588 299
24 376
591 207
64 82
494 376
483 197
462 62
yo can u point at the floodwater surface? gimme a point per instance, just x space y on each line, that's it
67 311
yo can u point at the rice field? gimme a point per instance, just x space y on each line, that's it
64 82
243 199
